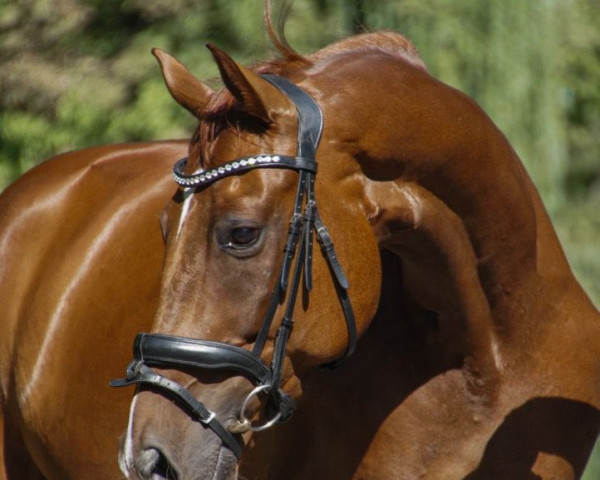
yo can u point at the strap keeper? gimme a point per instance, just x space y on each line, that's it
294 231
327 246
295 224
324 238
207 420
309 212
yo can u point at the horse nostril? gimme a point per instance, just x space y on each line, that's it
152 464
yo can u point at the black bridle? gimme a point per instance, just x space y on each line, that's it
166 351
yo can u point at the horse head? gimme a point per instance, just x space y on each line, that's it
234 253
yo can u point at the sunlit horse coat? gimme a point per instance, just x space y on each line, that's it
479 355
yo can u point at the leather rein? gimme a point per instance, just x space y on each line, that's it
167 351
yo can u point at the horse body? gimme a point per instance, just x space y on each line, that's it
479 353
488 262
81 257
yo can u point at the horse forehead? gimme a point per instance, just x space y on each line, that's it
230 132
250 191
255 195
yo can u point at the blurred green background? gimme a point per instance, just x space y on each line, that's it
75 73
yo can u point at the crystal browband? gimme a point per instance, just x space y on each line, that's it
238 166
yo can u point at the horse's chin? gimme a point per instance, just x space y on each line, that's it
220 464
211 461
226 466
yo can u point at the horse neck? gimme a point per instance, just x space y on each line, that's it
517 248
431 134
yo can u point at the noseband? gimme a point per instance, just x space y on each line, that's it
166 351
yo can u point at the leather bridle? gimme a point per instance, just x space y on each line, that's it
167 351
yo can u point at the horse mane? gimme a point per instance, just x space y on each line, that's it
391 43
388 42
290 61
277 35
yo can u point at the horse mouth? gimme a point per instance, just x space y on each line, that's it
226 467
153 464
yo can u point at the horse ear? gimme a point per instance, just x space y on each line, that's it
186 89
255 96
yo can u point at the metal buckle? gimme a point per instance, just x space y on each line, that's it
210 418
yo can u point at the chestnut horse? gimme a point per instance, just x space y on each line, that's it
478 353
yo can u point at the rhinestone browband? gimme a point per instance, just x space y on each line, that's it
238 166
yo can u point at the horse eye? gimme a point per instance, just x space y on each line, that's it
241 237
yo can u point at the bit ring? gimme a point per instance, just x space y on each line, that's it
244 424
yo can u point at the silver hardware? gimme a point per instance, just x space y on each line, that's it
244 422
239 426
210 418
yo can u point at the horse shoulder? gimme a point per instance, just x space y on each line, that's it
80 257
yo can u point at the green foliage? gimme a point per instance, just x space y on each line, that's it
78 72
592 472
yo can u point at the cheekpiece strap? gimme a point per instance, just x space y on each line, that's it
310 117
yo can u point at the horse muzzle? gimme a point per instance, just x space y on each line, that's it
166 351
